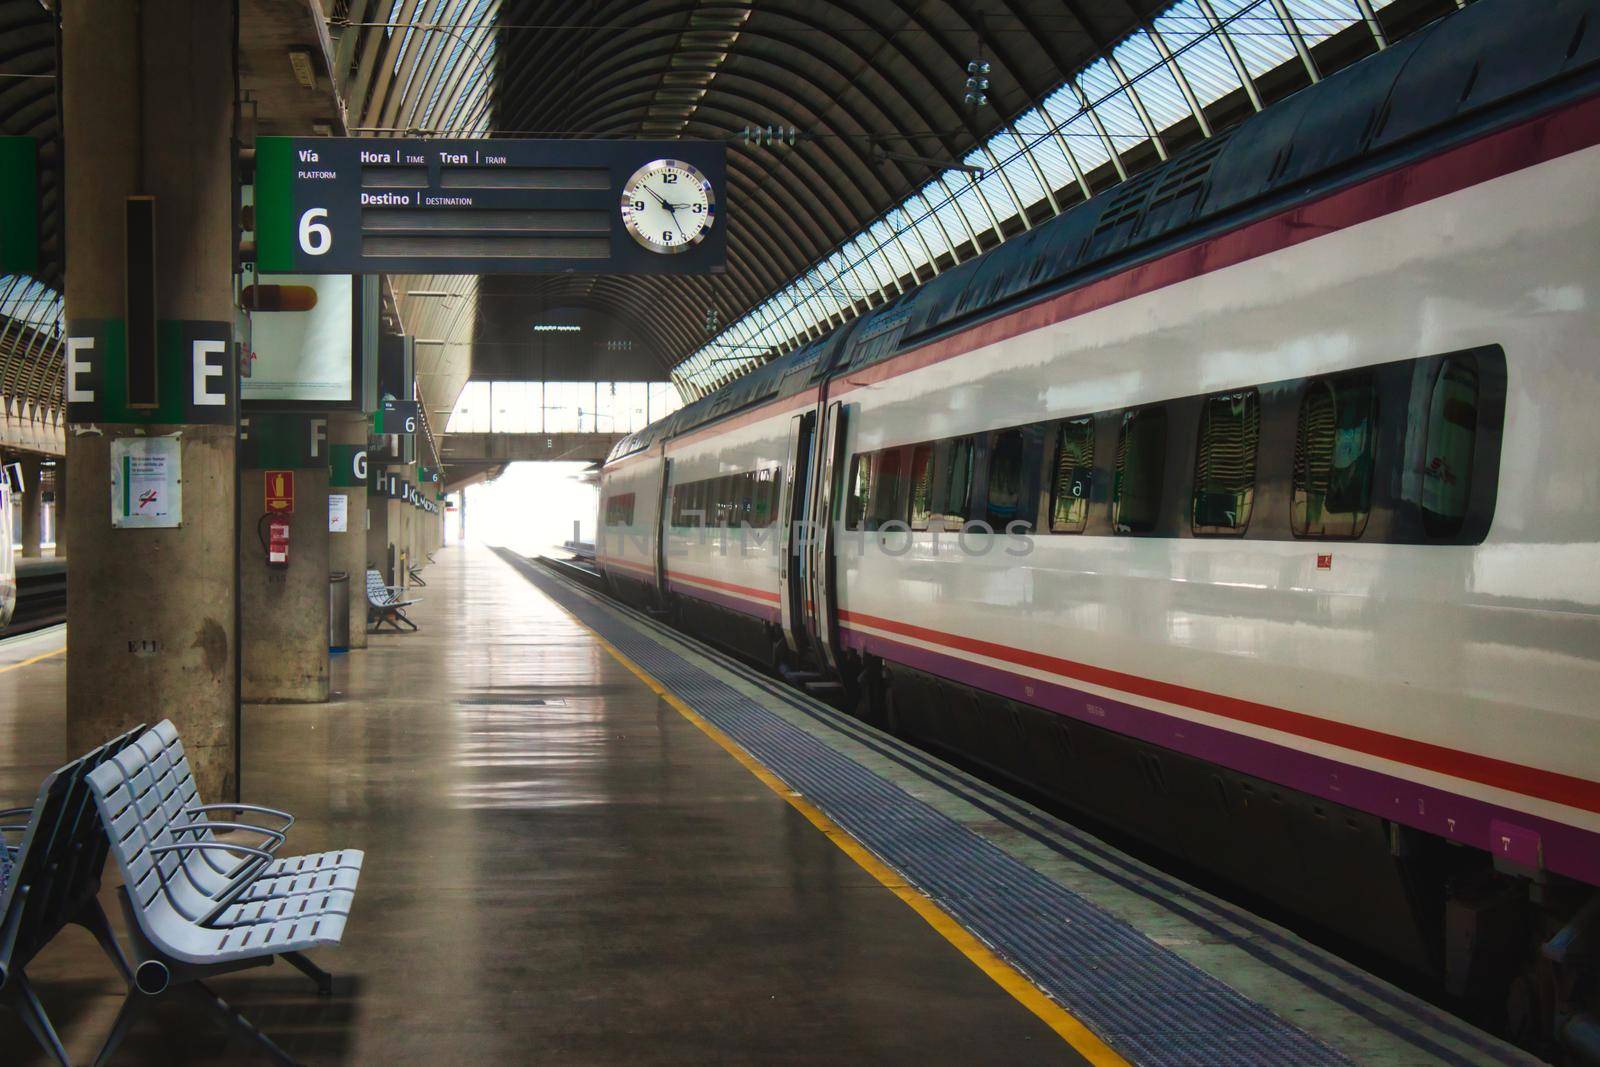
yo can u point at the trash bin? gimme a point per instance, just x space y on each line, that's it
339 611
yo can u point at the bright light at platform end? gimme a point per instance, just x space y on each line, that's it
531 507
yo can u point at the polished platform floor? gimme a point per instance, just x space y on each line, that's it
560 869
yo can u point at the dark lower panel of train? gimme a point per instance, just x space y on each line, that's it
1440 912
744 635
1497 945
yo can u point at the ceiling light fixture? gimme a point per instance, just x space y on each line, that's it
304 72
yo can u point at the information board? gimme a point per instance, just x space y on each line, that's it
345 205
303 336
146 482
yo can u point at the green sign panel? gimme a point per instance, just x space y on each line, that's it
396 417
283 440
349 466
19 205
197 375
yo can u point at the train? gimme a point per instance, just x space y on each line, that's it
1249 509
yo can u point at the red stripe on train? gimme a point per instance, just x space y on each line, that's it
1486 770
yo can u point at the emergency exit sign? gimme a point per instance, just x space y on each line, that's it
19 205
351 205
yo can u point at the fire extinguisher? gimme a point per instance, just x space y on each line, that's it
273 530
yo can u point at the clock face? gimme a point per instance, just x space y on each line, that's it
668 206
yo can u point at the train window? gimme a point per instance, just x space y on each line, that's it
1140 474
888 485
1074 477
921 478
1225 462
1334 452
855 505
734 503
1452 437
1005 478
704 515
743 499
952 481
619 510
761 500
775 496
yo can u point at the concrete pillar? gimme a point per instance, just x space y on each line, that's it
348 551
396 548
284 609
59 516
147 105
32 507
378 534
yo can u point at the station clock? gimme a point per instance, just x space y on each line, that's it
668 206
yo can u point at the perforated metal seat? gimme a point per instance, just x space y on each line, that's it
192 916
384 603
54 879
217 874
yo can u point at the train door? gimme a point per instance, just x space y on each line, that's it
822 618
659 530
792 545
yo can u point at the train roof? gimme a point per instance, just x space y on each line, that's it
1473 69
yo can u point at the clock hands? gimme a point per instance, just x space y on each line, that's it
663 200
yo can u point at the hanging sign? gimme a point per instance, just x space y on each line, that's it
348 205
396 417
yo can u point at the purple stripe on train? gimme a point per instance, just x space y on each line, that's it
1519 837
769 612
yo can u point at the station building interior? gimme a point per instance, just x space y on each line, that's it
783 531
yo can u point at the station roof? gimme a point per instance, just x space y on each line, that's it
893 176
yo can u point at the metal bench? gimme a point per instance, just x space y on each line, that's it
415 571
384 603
198 905
53 880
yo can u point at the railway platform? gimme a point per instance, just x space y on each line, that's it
590 840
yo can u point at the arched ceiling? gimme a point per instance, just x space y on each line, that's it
867 83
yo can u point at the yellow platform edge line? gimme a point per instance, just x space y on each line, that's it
1083 1040
32 660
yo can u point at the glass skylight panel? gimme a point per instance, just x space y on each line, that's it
1198 53
1257 32
1046 150
1318 20
950 209
1112 106
1153 81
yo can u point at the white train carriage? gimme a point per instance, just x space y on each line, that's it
1249 508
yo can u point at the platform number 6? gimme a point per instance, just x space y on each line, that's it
315 237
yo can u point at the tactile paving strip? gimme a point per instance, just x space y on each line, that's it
1151 1005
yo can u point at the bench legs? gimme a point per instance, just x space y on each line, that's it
20 995
93 919
158 976
239 1024
394 618
139 1002
298 961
